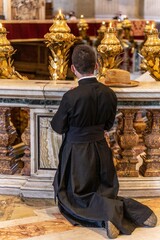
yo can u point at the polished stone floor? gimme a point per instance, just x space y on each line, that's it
39 219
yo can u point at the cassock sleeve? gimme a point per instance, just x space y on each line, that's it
59 122
110 121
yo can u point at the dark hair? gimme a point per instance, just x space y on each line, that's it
84 59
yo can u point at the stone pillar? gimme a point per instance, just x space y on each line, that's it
151 9
26 159
128 139
8 164
151 164
105 8
87 8
140 127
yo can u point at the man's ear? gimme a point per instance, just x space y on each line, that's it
96 66
73 68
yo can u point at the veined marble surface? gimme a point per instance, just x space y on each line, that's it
49 90
37 219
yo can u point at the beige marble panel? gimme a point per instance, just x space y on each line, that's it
49 144
106 9
151 9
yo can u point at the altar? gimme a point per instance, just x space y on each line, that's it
40 100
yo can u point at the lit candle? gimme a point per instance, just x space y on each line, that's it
152 26
119 25
1 25
60 12
110 24
82 16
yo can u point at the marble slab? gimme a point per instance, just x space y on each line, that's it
41 220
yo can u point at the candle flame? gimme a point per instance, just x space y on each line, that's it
0 25
60 11
82 16
110 24
152 26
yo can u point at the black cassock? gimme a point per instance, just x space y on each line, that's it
85 183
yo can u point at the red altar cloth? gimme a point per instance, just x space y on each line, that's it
37 29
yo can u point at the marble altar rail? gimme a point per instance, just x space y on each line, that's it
29 147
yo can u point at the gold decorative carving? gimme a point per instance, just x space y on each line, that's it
151 53
109 49
7 69
101 31
128 139
119 30
59 40
151 164
83 27
128 44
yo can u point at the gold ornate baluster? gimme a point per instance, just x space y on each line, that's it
127 141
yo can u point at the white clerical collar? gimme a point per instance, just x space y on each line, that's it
91 76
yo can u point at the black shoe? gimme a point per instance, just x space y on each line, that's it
151 221
112 231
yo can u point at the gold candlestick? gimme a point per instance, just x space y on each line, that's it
101 31
108 50
151 53
119 29
127 25
83 27
59 40
6 51
148 27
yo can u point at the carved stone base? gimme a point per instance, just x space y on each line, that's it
150 168
127 166
41 187
8 164
126 169
139 187
27 163
9 157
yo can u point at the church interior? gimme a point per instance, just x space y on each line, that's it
36 42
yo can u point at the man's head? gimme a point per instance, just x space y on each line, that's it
84 59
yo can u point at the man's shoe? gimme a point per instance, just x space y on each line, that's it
112 231
151 221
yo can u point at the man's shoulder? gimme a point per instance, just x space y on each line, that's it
106 88
71 92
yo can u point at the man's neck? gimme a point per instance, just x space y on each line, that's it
86 76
